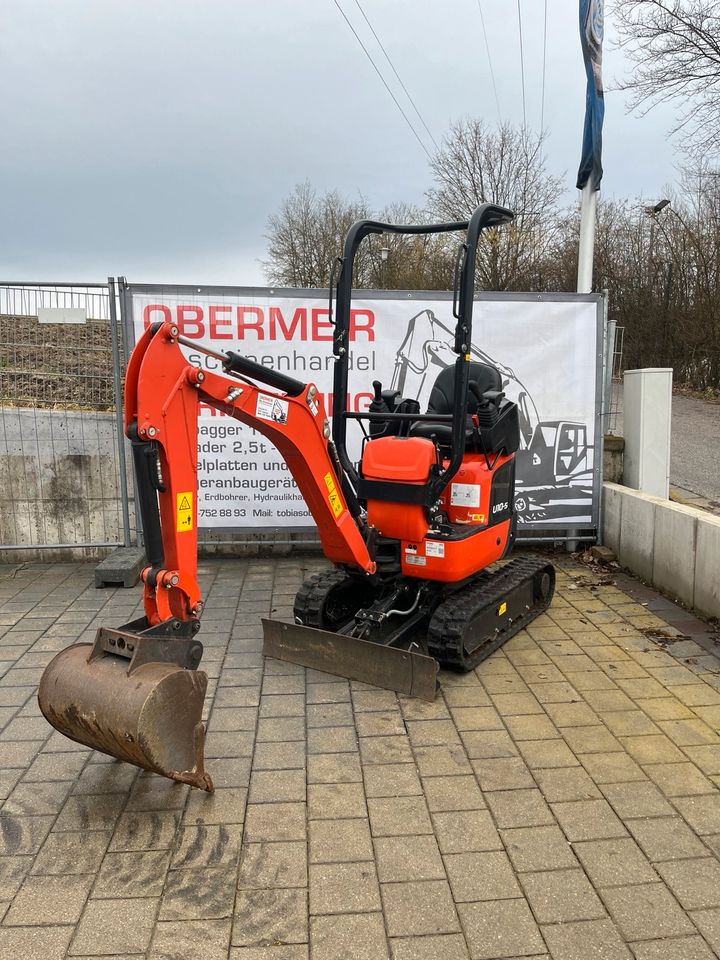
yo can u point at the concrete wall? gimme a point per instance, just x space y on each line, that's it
672 546
59 481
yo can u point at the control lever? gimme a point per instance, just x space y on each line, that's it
488 409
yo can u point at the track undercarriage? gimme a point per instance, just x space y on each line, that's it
395 635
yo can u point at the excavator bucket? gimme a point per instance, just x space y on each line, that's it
405 671
144 711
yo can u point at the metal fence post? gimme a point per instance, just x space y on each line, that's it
117 389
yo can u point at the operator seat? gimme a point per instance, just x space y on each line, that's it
441 402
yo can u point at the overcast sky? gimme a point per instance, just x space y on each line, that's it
153 138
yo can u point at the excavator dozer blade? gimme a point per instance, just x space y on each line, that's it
407 672
149 716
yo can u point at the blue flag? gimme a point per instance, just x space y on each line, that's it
591 37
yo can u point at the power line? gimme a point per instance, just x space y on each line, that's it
522 63
397 75
542 102
384 82
487 48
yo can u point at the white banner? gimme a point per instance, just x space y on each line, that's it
546 349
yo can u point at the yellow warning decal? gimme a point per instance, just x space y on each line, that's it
502 609
333 495
467 356
184 512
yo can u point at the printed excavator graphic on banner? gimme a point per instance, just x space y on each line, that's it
553 477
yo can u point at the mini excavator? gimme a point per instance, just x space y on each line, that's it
413 530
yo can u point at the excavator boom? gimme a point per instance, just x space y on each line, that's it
136 693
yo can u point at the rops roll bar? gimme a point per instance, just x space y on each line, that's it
486 215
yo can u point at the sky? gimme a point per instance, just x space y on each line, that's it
153 138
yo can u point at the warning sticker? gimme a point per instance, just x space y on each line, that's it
272 408
184 512
434 549
465 495
333 495
502 609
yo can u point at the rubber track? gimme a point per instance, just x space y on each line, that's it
454 617
310 598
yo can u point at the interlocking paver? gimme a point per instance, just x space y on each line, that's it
200 939
637 799
466 830
538 848
502 773
135 874
360 936
614 862
666 838
646 911
449 946
332 801
588 820
481 876
579 768
586 940
204 893
393 780
452 793
519 808
680 948
34 943
339 841
571 783
343 888
503 928
399 816
110 927
561 896
43 901
264 917
272 865
419 907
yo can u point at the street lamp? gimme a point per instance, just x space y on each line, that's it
384 254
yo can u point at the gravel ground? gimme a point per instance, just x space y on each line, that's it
695 450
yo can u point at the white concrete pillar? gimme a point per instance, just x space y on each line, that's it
647 404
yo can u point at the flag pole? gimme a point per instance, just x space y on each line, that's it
586 251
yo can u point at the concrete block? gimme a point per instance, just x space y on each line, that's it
637 533
674 550
612 499
613 450
602 553
707 565
121 569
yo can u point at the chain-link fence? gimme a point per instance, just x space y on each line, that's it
62 467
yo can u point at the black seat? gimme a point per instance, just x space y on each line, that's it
503 436
441 395
441 401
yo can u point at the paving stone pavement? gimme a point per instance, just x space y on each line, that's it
561 801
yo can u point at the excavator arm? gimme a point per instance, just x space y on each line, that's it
162 396
136 693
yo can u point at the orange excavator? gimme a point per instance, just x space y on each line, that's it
411 530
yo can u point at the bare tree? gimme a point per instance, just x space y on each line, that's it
307 234
503 165
674 46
